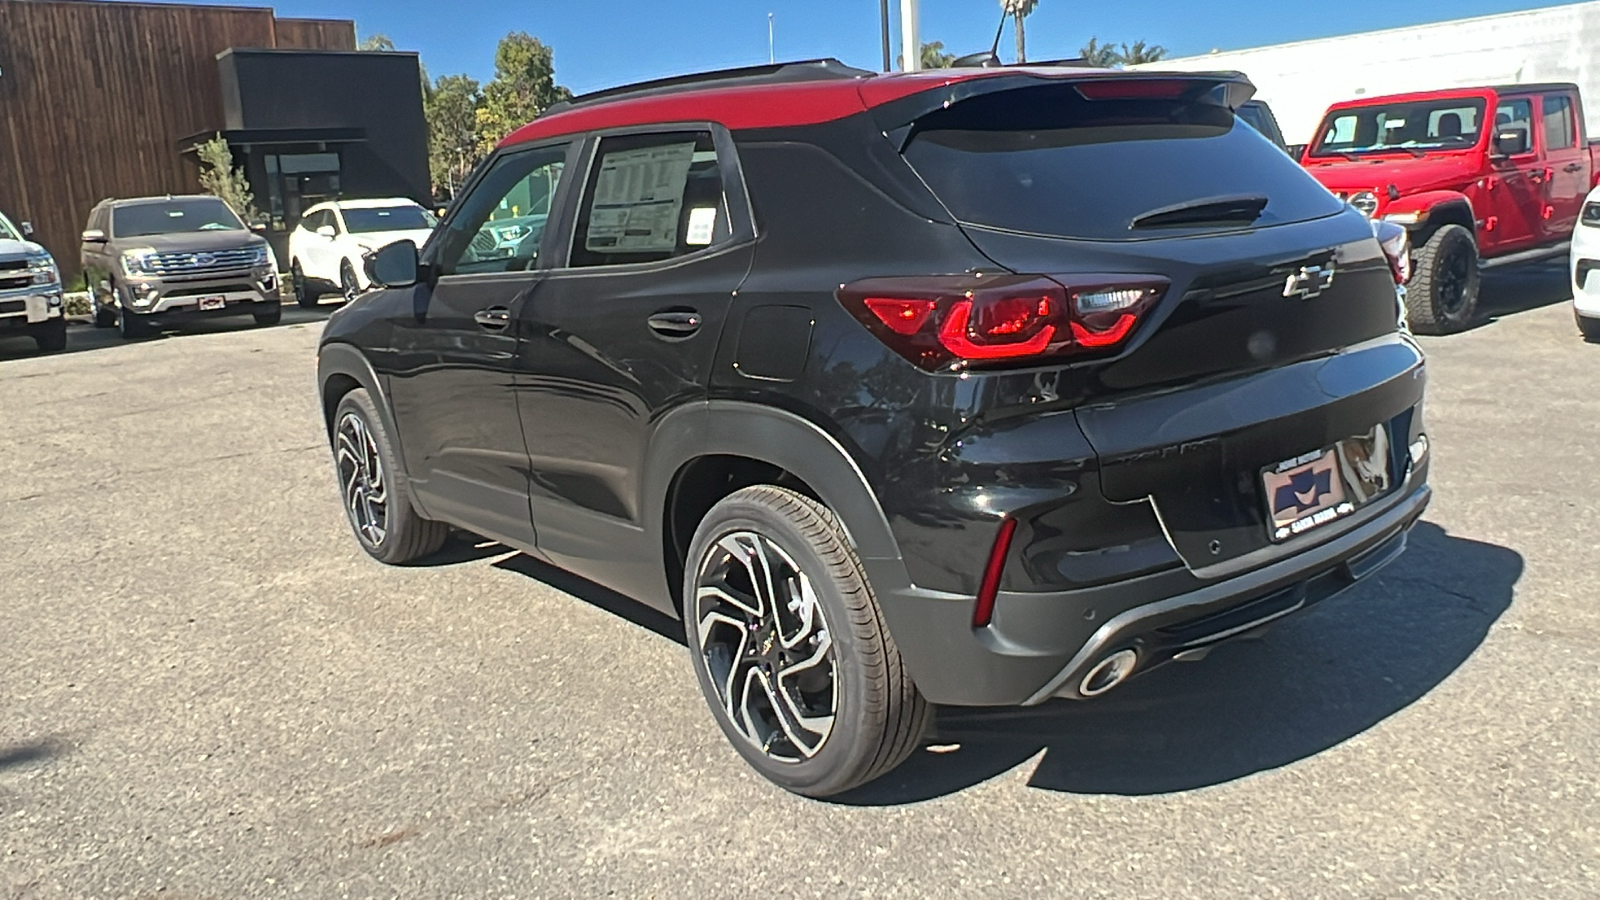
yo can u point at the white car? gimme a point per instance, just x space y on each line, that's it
1585 264
326 249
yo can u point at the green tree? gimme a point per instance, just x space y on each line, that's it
451 106
524 86
220 178
379 41
1020 10
1101 56
1112 56
934 57
1138 52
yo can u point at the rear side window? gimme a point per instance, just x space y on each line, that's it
1045 160
1559 133
649 198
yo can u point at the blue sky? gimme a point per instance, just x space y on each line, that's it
602 44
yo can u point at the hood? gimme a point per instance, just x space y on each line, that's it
192 241
376 239
10 249
1409 174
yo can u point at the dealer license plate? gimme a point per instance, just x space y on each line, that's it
1323 486
212 303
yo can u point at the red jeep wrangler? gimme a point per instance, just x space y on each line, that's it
1491 174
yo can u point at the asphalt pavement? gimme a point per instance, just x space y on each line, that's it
208 691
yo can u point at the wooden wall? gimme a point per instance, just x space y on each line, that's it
94 97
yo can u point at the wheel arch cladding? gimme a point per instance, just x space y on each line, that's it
341 368
706 452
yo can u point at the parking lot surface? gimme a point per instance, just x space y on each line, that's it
207 690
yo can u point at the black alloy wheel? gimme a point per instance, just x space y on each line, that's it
362 479
377 506
1443 295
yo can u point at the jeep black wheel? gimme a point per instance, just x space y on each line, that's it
349 287
380 514
1443 295
51 335
303 294
790 647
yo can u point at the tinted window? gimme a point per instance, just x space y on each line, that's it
1044 160
1559 133
387 218
498 226
173 217
7 230
1425 125
313 220
1515 115
650 198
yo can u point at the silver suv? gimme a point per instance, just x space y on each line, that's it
155 261
30 288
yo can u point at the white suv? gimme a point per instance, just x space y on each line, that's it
326 250
1585 261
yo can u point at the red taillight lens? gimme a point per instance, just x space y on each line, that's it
989 588
953 321
1396 244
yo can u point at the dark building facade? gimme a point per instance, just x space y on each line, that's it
310 126
102 99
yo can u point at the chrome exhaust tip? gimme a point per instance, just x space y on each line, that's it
1108 673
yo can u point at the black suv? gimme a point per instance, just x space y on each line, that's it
970 387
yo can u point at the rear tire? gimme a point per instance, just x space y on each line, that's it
51 336
375 503
799 668
1443 295
1589 327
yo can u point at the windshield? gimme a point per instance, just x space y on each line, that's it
8 232
173 217
388 218
1418 126
1045 160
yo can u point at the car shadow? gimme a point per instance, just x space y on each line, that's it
83 337
17 755
1518 289
604 598
1310 684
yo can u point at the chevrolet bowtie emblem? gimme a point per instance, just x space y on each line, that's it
1309 282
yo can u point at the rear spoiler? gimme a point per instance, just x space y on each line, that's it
897 115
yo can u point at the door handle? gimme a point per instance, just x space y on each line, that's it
1573 167
675 323
493 318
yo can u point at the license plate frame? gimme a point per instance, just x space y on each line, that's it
211 303
1320 487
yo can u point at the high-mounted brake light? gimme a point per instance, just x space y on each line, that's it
1136 88
956 321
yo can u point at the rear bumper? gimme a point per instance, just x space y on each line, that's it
1041 645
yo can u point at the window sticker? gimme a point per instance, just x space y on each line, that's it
702 225
638 200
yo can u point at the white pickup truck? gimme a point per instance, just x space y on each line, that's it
30 288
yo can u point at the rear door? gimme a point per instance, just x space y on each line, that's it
1566 166
625 330
1279 321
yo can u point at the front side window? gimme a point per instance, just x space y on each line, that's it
370 220
651 197
1515 115
1559 133
176 216
499 225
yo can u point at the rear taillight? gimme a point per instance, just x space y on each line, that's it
989 588
959 321
1396 244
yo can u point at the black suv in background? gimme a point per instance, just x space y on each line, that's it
965 387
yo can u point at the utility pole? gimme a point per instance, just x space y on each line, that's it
770 57
910 37
883 14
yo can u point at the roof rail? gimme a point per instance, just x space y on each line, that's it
776 73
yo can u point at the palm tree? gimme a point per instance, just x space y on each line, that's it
934 57
1138 52
1101 56
1019 10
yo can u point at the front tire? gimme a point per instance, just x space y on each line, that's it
1590 328
303 294
104 316
1443 295
51 336
129 325
377 507
272 315
790 647
349 285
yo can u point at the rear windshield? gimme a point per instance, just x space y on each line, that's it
387 218
1044 160
173 217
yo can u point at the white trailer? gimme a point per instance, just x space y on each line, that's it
1300 80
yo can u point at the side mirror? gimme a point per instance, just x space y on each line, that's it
394 265
327 232
27 229
94 236
1511 142
258 227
